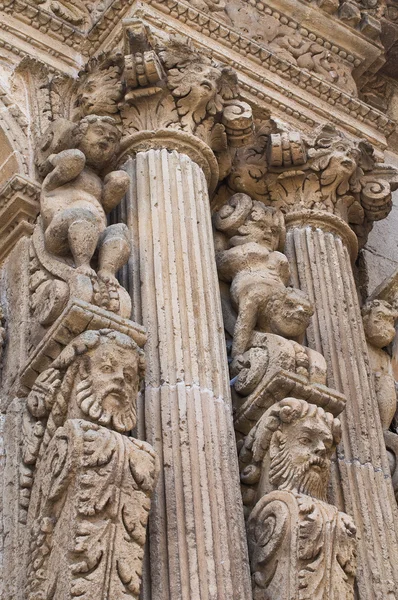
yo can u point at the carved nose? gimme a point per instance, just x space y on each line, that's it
320 449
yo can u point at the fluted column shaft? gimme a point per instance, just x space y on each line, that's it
321 266
197 536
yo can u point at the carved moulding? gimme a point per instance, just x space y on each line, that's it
19 207
300 546
256 54
90 485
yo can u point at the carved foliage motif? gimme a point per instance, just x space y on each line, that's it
289 44
91 510
325 172
90 485
165 84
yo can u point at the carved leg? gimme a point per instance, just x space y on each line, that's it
83 238
114 250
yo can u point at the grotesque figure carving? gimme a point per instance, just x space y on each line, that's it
75 198
92 486
247 256
100 87
379 317
379 324
300 547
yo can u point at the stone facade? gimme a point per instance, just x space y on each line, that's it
199 295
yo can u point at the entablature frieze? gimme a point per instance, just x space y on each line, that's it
316 77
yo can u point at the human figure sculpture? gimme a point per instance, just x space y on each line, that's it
379 319
300 546
75 199
247 256
92 484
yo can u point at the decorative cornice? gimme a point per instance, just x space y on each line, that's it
257 54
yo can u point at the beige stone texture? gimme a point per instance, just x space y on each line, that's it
132 134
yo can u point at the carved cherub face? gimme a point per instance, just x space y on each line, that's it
289 313
379 323
99 142
260 226
109 386
300 456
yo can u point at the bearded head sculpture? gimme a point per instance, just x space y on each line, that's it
300 439
95 378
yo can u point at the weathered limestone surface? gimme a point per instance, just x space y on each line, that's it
188 414
322 266
123 124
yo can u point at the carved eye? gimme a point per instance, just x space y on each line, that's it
106 369
306 440
128 376
206 84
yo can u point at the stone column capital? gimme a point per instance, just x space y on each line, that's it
165 93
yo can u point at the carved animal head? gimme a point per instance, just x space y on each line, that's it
100 87
379 322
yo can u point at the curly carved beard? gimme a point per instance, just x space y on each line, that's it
92 405
304 480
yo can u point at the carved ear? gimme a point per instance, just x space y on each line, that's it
321 163
233 215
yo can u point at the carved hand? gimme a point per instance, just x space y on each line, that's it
42 395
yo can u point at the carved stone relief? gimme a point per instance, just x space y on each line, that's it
87 486
326 171
299 545
379 318
249 234
76 195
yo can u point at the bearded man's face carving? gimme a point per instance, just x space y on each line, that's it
300 456
109 386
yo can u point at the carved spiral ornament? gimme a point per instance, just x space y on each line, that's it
233 214
376 199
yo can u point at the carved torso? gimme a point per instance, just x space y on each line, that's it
297 542
87 516
83 192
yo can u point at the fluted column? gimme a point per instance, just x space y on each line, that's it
197 537
320 247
